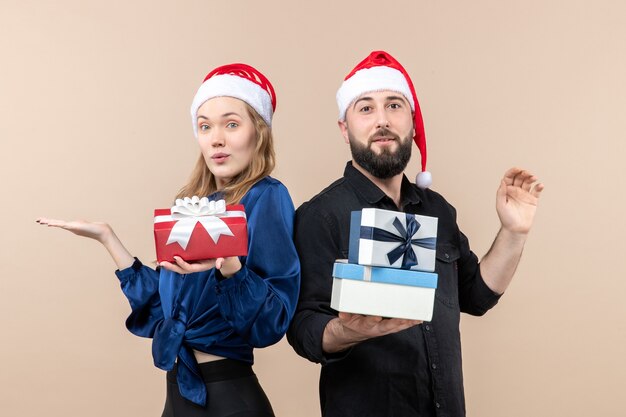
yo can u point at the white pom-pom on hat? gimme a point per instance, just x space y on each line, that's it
424 179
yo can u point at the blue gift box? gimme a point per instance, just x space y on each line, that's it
393 239
385 275
386 292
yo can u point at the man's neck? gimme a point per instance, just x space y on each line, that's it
390 186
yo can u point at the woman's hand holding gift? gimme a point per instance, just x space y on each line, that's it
227 266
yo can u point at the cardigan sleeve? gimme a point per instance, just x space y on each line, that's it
259 301
140 285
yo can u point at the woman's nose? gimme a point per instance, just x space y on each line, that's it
217 138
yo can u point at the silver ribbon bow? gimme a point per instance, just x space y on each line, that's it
189 211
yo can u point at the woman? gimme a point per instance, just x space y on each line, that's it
206 317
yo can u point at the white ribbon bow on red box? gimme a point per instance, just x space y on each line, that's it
189 211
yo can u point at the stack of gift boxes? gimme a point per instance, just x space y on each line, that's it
390 267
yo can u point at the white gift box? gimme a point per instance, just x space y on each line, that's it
393 239
386 292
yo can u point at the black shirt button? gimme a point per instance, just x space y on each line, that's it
427 327
437 405
446 256
434 366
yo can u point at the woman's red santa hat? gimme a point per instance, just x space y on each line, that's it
238 81
380 72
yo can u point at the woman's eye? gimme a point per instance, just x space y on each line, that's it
204 127
232 125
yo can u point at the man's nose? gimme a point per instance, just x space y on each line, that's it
382 121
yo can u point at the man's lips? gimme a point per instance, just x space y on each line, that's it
384 136
383 140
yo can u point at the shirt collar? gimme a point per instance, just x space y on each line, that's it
373 194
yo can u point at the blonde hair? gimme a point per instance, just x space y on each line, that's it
202 181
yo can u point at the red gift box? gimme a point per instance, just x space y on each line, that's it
198 237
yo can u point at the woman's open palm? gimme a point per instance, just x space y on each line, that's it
93 230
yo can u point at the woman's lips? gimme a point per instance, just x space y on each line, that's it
220 157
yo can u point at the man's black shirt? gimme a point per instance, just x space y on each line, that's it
415 372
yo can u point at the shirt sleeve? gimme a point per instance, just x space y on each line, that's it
316 240
259 300
140 285
475 297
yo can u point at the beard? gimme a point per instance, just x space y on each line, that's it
388 163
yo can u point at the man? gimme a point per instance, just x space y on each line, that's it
374 366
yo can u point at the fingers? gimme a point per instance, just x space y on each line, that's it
219 262
62 224
171 267
359 319
181 262
523 179
228 266
537 189
528 181
518 180
374 326
396 325
372 322
180 266
188 267
344 316
50 222
516 176
510 174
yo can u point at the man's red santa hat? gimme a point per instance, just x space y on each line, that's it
239 81
380 72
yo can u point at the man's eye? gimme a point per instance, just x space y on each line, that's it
232 125
365 108
394 105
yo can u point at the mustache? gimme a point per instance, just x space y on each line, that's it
384 132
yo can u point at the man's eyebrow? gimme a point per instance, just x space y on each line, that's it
366 98
388 98
402 98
